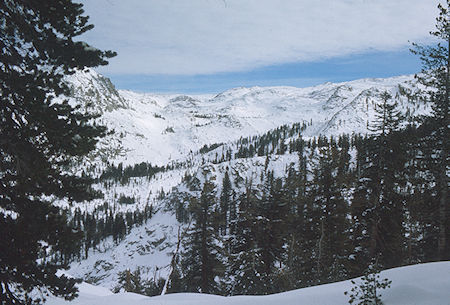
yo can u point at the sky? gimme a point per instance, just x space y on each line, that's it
208 46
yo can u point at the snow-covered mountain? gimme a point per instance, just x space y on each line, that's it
158 128
171 129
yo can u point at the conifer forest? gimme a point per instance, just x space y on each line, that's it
324 198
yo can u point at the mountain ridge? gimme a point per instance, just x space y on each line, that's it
165 127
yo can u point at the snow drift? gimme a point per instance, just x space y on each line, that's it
424 284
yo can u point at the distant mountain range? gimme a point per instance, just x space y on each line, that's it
159 128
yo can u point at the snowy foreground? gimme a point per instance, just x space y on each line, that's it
425 284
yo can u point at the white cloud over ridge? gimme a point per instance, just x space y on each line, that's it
181 37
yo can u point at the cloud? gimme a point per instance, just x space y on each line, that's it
180 37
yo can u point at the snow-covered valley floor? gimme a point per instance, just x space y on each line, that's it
424 284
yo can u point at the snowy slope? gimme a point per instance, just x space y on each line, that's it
147 247
150 247
425 284
159 128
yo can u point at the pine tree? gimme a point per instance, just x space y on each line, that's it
333 245
303 231
360 209
271 227
378 204
245 268
39 138
367 290
225 204
201 258
388 157
130 281
434 142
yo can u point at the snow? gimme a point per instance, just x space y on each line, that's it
143 122
423 284
140 249
143 125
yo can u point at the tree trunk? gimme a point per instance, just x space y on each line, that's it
442 240
319 257
173 262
